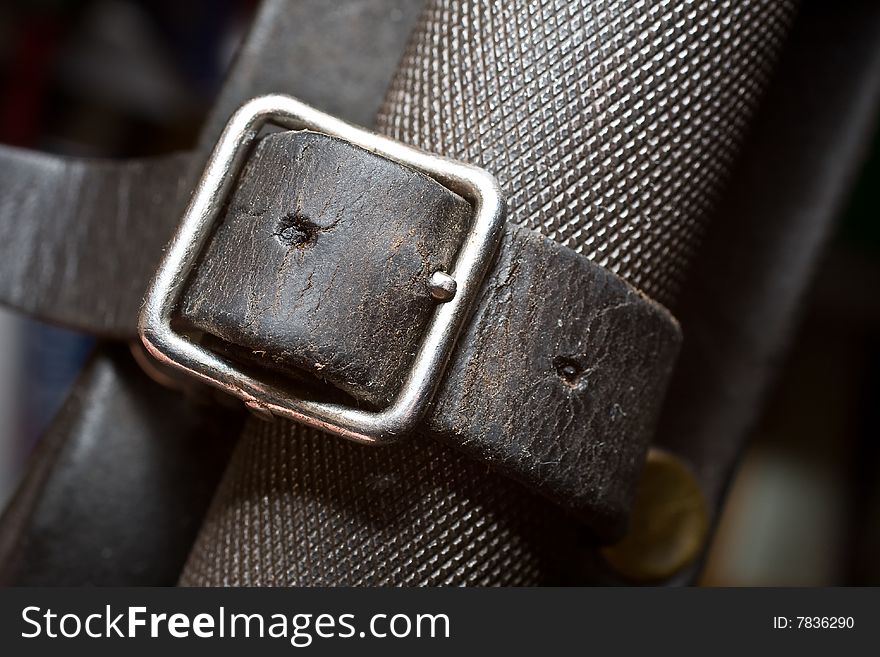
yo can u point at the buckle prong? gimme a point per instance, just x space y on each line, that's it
442 286
456 289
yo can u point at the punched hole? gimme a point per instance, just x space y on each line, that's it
295 230
569 371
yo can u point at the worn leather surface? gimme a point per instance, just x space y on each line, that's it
278 28
70 225
116 491
616 124
321 263
558 379
758 199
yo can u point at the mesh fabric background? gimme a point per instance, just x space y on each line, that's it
301 507
611 125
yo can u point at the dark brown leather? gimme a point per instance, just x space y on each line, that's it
80 239
559 377
118 487
321 263
693 423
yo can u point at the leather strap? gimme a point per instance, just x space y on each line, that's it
117 488
69 226
480 47
321 263
544 426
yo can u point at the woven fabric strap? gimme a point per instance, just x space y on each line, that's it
611 126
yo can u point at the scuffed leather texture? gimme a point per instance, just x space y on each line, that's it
321 263
542 94
557 378
69 225
612 125
281 28
118 488
799 131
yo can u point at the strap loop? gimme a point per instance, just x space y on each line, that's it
319 268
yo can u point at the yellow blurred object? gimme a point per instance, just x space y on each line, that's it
668 524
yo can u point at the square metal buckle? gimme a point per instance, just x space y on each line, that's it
477 186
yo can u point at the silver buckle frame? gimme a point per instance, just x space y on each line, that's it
477 186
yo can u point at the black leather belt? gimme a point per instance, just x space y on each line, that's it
80 239
343 288
558 369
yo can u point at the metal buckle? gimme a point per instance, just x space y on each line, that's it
472 262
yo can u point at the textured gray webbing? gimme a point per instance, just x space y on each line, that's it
612 124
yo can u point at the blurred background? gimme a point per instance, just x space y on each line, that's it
120 78
101 78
